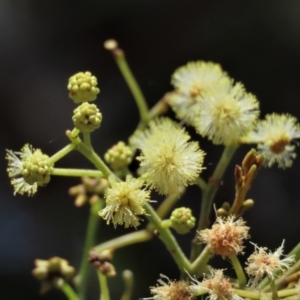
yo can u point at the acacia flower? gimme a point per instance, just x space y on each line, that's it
226 237
124 201
170 290
28 169
169 161
261 263
274 136
218 287
227 114
191 82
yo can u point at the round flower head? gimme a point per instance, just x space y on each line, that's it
119 156
218 287
87 117
28 169
227 114
226 237
124 201
182 220
274 136
262 263
170 290
169 161
83 87
191 82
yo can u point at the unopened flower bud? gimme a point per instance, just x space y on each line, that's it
87 117
182 220
119 156
36 168
83 87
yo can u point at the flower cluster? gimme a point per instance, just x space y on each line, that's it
124 201
169 161
206 98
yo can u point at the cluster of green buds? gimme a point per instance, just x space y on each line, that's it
102 262
91 190
52 273
119 156
83 87
182 220
87 117
36 168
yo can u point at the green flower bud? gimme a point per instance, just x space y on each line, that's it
36 168
87 117
119 156
182 220
83 87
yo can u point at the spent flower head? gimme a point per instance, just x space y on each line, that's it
170 290
227 114
83 87
262 263
274 137
28 169
169 161
124 201
216 285
226 237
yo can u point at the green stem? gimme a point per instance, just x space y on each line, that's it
125 240
201 183
239 271
61 153
257 295
200 262
128 281
76 172
69 292
168 239
87 139
93 222
273 289
133 86
90 154
104 291
209 194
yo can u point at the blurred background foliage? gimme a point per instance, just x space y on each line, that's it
43 43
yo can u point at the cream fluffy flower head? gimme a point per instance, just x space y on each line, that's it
216 285
227 114
169 161
191 82
226 237
261 263
124 201
274 136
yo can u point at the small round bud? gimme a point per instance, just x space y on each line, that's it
182 220
110 45
119 156
83 87
87 117
36 168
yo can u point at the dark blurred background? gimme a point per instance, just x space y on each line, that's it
43 43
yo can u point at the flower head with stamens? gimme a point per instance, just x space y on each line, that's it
170 290
227 114
274 136
216 285
28 169
169 161
226 237
191 82
261 263
124 201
